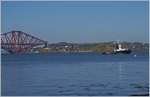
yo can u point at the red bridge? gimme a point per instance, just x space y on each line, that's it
19 42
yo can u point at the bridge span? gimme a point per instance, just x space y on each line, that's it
19 42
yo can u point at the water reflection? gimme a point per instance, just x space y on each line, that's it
120 72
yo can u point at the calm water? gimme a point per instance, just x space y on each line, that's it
78 74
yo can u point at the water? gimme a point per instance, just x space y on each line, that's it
74 74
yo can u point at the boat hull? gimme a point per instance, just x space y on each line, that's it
117 52
123 52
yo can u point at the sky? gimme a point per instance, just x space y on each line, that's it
78 21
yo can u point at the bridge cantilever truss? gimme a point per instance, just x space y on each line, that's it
19 42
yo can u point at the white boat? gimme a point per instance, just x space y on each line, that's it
119 49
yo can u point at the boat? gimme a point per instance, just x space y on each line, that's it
119 49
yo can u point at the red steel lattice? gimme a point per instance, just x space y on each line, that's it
19 42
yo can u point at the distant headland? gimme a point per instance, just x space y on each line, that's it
91 47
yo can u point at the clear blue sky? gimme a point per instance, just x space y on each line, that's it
78 21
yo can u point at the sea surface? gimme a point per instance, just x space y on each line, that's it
74 74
